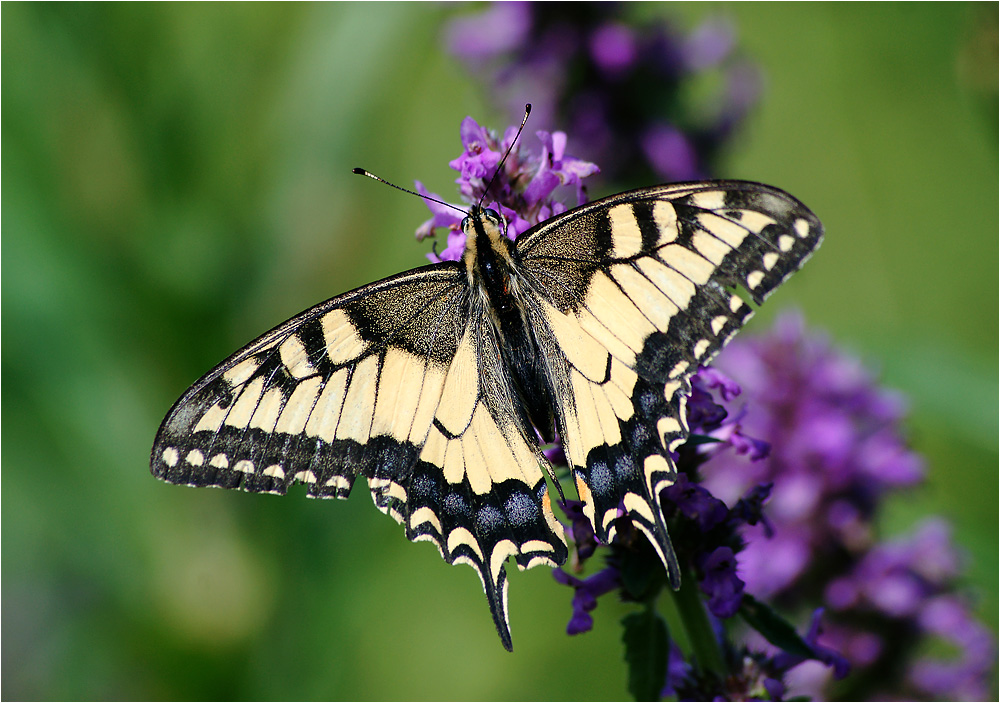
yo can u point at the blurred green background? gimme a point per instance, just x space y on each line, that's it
177 180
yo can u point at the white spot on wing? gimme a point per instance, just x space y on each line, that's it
536 545
219 461
501 551
756 221
343 342
802 227
770 259
609 517
460 536
786 242
625 234
338 482
425 515
709 199
665 218
679 368
295 358
667 425
171 457
241 373
244 465
754 278
274 470
195 457
387 487
634 503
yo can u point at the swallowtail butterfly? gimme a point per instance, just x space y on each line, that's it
438 386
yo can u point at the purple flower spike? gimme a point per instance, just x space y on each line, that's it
525 192
836 452
580 530
696 503
720 582
586 592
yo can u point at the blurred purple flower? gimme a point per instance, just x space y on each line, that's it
839 666
753 676
836 453
624 90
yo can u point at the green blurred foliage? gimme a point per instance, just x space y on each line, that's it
177 180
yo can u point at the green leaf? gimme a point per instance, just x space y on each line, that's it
696 439
773 627
647 645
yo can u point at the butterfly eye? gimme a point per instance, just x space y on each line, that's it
493 216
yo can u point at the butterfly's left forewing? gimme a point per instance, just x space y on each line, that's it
633 293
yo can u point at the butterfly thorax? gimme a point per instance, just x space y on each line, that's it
495 275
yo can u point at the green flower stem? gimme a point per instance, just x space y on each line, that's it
704 646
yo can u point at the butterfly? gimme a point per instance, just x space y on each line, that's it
440 386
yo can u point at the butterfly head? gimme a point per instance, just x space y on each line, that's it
484 228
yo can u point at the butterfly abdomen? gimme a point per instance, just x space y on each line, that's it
495 273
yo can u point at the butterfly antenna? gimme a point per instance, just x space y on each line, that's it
527 111
363 172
